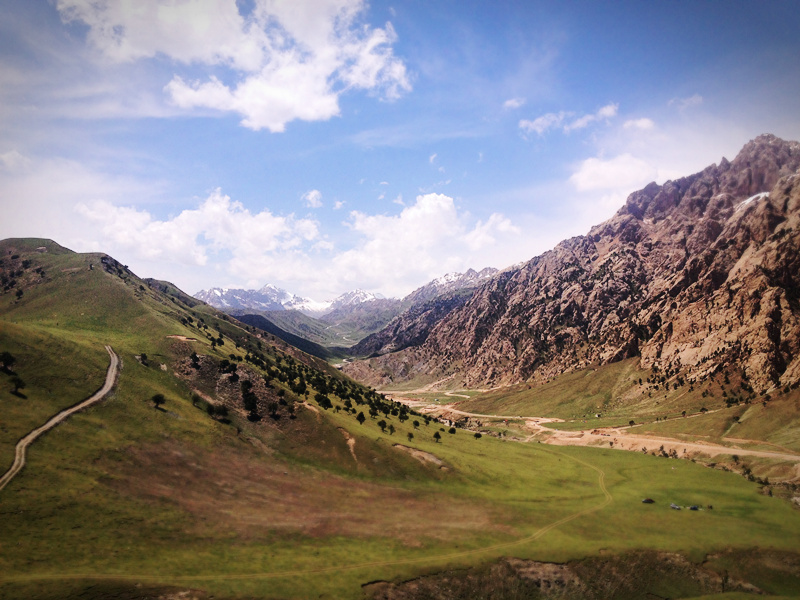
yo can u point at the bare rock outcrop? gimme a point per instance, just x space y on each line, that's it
699 274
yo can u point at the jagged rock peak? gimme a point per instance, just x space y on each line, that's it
756 169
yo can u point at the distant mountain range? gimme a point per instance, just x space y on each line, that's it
353 315
697 277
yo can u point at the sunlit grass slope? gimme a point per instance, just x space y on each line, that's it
125 495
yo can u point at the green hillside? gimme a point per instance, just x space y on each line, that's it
256 479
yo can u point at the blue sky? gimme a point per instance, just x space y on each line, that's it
327 145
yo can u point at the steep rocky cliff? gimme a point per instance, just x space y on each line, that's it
696 275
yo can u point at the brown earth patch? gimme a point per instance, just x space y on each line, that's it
423 457
233 491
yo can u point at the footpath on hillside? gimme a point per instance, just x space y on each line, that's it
614 437
22 444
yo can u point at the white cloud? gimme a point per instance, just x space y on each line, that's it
289 60
432 158
643 123
338 204
513 103
312 198
624 172
217 225
14 161
684 103
428 238
541 124
548 121
606 112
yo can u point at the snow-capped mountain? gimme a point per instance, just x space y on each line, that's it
268 297
450 282
271 297
352 298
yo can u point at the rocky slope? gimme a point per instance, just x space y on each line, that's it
697 275
448 284
412 327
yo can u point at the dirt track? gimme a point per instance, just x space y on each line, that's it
22 445
617 438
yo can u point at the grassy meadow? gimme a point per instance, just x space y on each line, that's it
125 494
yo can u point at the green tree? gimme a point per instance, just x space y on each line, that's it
158 400
361 418
391 429
478 435
382 425
415 423
7 360
452 431
410 436
437 437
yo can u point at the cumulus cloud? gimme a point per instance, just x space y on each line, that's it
195 236
427 238
313 198
287 60
432 158
643 124
621 172
338 204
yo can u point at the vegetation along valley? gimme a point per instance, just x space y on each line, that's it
609 411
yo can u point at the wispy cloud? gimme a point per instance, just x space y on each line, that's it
544 123
565 120
605 113
684 103
643 124
513 103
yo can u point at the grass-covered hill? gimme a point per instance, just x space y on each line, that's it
229 464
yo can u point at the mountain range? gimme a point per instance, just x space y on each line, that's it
353 315
692 277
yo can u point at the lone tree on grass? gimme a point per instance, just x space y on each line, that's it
361 418
158 400
478 435
437 437
410 436
452 430
382 425
7 360
391 429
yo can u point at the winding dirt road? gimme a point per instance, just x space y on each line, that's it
621 438
22 445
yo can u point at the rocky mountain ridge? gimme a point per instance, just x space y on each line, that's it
694 276
358 311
